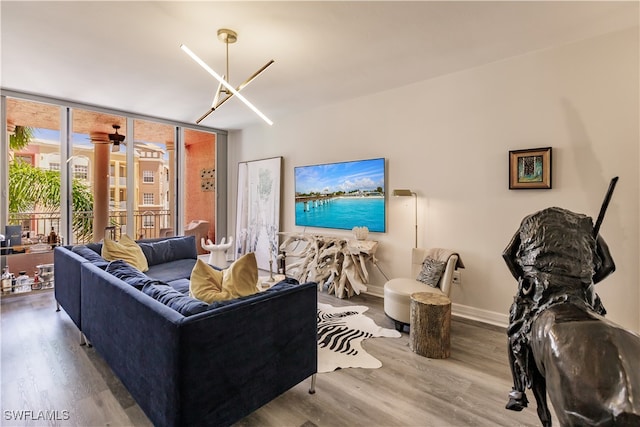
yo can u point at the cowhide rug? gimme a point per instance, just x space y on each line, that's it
341 331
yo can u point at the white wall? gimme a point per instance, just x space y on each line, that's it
448 139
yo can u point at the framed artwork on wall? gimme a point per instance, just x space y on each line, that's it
530 169
258 210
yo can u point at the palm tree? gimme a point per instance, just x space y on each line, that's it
32 189
20 138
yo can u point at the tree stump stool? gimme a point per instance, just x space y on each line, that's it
430 325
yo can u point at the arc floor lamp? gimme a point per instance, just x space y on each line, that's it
409 193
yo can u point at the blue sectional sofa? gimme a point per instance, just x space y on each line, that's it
170 260
185 362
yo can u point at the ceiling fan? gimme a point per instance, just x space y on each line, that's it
224 87
116 138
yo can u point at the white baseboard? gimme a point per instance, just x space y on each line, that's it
479 315
376 291
465 311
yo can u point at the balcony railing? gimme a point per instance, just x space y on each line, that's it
147 224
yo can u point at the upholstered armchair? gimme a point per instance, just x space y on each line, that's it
397 292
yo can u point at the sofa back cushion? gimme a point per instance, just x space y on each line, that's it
188 306
88 254
286 283
125 272
182 303
95 246
163 251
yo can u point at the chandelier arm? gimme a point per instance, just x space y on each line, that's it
256 74
241 86
214 104
216 97
217 105
224 100
205 115
225 84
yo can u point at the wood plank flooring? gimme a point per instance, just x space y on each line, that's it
45 370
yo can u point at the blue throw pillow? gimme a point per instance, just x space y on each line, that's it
127 273
88 254
181 303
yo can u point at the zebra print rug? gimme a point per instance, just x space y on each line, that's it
341 331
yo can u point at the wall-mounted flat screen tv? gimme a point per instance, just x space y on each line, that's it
341 195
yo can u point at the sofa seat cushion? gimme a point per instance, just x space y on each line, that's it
180 285
164 251
172 270
126 249
178 301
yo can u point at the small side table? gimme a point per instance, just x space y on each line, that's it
264 283
430 325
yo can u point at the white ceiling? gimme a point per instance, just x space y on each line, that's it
126 55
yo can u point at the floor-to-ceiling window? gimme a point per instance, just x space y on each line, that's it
82 172
154 180
32 164
95 164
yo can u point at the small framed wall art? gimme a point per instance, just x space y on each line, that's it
530 169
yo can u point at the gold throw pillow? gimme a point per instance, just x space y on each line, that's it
205 282
127 250
240 279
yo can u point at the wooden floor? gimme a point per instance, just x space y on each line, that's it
44 369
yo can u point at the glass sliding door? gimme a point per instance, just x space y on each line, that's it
200 185
33 165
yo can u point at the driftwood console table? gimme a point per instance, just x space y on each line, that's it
336 262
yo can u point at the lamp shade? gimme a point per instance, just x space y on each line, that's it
403 193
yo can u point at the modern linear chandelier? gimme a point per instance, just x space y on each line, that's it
225 91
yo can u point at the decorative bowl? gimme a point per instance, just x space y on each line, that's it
361 233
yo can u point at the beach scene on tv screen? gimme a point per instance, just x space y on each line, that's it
341 195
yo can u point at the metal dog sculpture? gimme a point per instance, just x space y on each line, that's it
559 340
